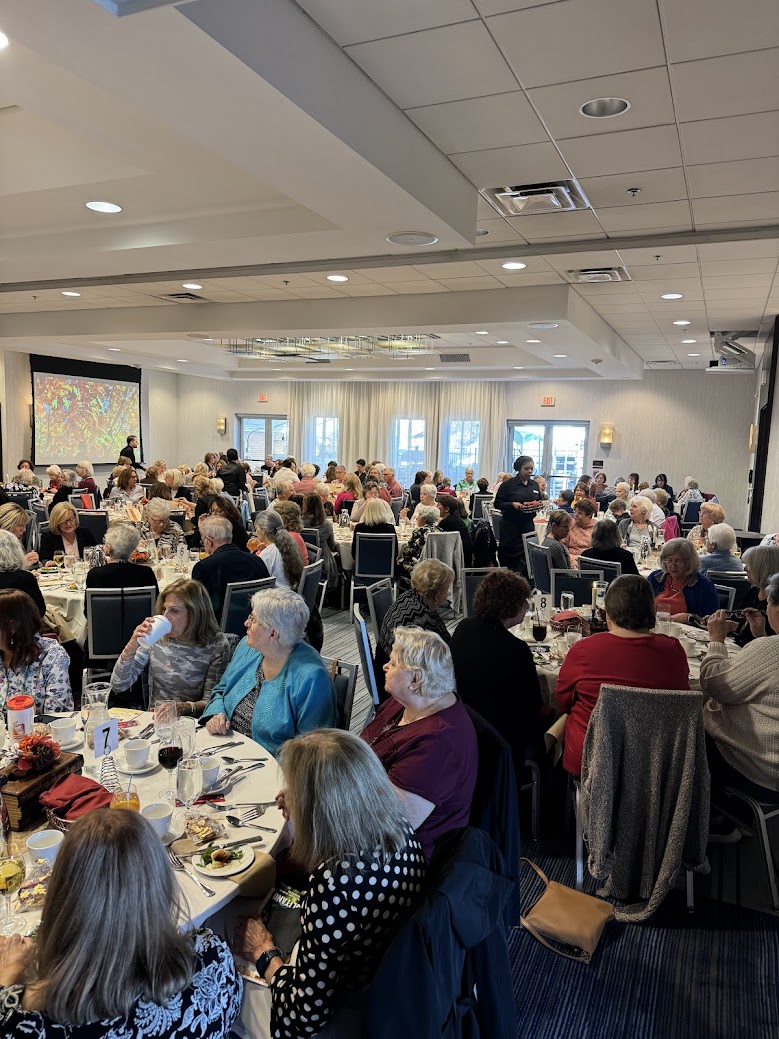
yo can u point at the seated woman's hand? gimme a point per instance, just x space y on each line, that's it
252 938
131 648
219 725
32 557
719 626
281 803
756 622
16 955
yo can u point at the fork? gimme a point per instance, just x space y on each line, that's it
254 813
179 866
242 804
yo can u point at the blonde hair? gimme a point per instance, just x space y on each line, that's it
202 485
711 508
340 799
352 483
375 512
59 515
173 478
430 577
11 515
415 649
87 467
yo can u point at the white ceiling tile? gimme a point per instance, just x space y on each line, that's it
738 281
714 296
461 269
624 289
556 225
736 209
488 7
734 178
446 64
625 151
690 288
645 218
668 255
711 268
315 292
706 28
655 186
526 164
648 92
390 274
368 288
349 22
746 250
582 261
605 307
516 281
748 137
575 39
671 229
468 284
500 231
407 288
735 85
285 281
664 272
497 121
355 278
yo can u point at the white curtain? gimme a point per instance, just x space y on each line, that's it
484 402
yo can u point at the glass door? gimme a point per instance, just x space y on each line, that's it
261 436
559 450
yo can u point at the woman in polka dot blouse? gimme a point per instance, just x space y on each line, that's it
366 872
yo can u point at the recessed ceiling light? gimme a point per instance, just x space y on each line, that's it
429 369
693 355
481 232
345 369
513 265
543 324
167 368
72 295
503 342
191 285
275 369
519 367
114 350
671 295
182 360
415 238
3 41
682 322
532 340
482 333
337 277
559 355
604 107
103 207
689 342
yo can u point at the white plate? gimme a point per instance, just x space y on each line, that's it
124 768
229 871
77 742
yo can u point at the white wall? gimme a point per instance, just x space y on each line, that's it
16 398
202 401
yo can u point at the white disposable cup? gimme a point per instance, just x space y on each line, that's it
63 730
211 767
136 753
160 627
688 645
45 844
159 815
572 637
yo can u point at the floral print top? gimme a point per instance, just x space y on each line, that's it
46 679
204 1010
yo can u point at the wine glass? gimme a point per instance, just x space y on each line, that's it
169 754
12 874
59 559
189 784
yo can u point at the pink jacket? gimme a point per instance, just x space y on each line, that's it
578 540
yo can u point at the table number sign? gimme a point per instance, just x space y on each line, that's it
106 737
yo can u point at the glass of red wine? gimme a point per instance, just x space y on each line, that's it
169 755
539 629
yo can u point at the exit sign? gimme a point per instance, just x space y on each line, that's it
547 402
262 398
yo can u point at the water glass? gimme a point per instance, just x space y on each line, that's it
663 622
567 601
189 782
194 555
601 587
186 730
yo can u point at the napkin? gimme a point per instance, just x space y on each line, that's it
75 796
259 878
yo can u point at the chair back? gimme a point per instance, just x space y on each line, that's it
692 512
366 654
577 581
345 681
237 604
472 578
495 520
348 504
311 536
38 509
611 571
381 596
309 582
727 596
20 498
736 580
113 614
374 557
479 501
178 516
82 500
531 536
447 545
32 535
314 554
184 492
396 504
538 559
95 522
260 500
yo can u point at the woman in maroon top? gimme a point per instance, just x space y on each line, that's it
627 654
424 737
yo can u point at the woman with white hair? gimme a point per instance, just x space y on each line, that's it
637 526
174 479
12 570
720 542
67 487
656 515
692 493
278 550
426 518
308 480
276 686
157 526
121 540
86 478
54 474
679 587
424 736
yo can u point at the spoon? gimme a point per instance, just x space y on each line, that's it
238 761
235 821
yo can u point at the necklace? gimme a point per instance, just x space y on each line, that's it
673 587
424 710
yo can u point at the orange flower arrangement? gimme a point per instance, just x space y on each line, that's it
37 752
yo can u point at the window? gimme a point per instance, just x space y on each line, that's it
559 450
261 436
462 447
407 449
325 440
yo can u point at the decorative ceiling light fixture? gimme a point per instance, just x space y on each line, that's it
413 238
103 207
671 295
329 348
604 107
71 295
606 435
337 277
192 285
682 323
514 265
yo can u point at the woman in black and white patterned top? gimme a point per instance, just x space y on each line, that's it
366 875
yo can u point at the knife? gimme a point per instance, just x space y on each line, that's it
241 770
221 746
237 844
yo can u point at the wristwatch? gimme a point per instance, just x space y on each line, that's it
263 962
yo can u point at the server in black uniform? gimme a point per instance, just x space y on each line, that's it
518 500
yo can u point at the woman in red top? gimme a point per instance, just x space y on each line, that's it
627 654
352 491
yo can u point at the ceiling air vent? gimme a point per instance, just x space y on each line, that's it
533 199
455 358
663 364
185 297
597 275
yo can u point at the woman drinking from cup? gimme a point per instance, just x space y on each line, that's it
183 647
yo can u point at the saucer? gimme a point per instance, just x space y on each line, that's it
125 769
77 742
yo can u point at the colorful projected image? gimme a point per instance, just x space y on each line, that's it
82 418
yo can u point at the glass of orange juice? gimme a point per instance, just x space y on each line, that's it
127 797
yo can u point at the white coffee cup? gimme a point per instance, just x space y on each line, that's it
45 844
160 627
159 815
211 766
586 612
675 629
136 753
63 730
688 645
572 637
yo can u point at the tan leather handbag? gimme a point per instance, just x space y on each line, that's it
567 916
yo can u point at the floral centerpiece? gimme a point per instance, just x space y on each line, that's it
37 752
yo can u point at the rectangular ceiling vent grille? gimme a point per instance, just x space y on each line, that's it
532 199
597 275
663 364
185 297
455 358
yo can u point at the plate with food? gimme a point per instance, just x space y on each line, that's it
223 862
203 827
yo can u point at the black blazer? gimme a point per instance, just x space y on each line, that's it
51 543
227 565
23 581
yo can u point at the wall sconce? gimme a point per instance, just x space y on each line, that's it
753 431
606 436
221 425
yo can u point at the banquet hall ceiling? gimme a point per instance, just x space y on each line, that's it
258 148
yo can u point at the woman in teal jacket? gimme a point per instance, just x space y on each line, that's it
276 686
